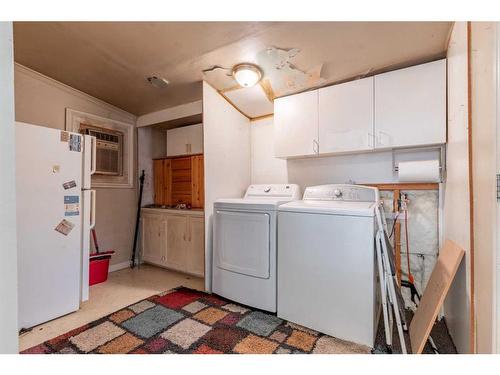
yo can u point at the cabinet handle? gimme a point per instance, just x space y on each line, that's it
380 136
371 140
315 146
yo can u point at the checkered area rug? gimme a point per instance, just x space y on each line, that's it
188 321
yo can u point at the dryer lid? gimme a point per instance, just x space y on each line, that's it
262 197
268 204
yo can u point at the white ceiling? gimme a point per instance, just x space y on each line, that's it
110 60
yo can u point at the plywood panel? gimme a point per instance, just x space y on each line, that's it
167 182
252 101
434 294
181 163
158 176
198 182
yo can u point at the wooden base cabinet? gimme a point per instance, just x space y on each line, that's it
174 239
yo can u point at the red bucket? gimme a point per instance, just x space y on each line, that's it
99 267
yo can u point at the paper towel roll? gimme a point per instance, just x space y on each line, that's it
419 171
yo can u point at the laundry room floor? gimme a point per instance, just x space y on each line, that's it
122 288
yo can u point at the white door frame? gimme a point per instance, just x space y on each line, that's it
496 284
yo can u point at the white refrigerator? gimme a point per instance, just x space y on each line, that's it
55 212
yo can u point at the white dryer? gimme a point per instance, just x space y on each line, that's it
244 247
327 278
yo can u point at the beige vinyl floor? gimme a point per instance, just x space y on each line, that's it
122 288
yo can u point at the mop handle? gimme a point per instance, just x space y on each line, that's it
95 240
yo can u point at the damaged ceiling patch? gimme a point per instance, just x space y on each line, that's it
219 77
282 76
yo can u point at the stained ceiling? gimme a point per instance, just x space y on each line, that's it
111 60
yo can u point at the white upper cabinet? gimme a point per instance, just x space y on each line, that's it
296 125
410 106
186 140
346 117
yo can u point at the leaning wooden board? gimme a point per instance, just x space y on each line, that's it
435 292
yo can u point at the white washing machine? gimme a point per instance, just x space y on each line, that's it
244 257
327 276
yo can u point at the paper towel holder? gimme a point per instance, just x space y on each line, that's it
442 158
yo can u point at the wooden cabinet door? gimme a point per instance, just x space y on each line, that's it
197 182
296 125
158 181
195 262
346 117
153 238
167 182
410 106
176 241
181 180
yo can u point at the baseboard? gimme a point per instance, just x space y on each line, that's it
119 266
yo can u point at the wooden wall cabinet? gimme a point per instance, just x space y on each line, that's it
179 180
174 239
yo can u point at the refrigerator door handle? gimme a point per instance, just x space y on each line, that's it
92 208
93 167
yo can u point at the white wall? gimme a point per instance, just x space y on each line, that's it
226 134
150 145
183 110
43 101
457 202
373 167
8 261
266 169
484 66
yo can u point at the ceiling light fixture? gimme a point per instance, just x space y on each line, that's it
157 82
247 75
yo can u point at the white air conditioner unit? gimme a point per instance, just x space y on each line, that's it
109 153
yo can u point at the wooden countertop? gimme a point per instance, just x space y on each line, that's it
176 211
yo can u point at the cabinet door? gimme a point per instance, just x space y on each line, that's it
153 238
176 142
181 180
167 182
195 262
194 139
197 182
176 241
410 106
346 117
185 140
296 125
158 178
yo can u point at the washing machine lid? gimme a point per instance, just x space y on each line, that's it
344 208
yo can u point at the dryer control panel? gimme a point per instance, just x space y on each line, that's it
342 192
288 191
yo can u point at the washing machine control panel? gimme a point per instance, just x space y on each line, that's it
342 192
